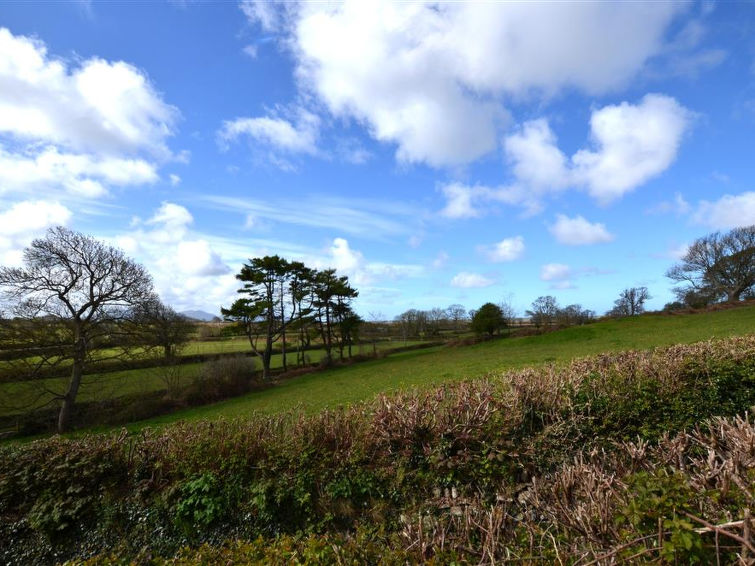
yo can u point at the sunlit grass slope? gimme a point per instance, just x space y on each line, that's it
347 385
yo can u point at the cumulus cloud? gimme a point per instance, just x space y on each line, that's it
555 272
293 136
730 211
352 263
558 275
173 217
535 159
198 258
23 221
579 232
49 170
78 127
629 145
508 249
633 143
460 200
377 63
96 106
466 280
181 261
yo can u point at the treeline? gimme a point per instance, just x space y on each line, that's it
286 299
415 323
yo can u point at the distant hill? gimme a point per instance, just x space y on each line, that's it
203 316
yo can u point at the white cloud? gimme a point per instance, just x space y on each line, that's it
190 270
555 272
378 63
298 136
678 206
76 128
441 259
730 211
466 280
633 143
250 51
508 249
85 175
96 106
558 275
365 218
23 221
172 216
352 263
579 232
460 200
175 180
198 258
678 252
536 160
265 13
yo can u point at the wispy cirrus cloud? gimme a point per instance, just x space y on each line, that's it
365 218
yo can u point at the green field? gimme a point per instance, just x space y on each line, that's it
343 386
16 396
361 381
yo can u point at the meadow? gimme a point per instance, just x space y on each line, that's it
343 386
17 396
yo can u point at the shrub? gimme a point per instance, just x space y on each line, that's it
224 377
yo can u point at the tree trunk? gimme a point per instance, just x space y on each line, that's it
733 295
327 335
266 355
283 330
77 371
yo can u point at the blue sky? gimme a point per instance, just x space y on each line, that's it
435 153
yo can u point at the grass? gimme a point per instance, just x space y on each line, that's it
16 397
420 368
344 386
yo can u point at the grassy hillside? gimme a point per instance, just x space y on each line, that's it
343 386
608 459
17 396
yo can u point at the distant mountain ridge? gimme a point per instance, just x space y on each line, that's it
203 316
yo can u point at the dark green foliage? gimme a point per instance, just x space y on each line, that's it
200 502
488 319
644 407
657 503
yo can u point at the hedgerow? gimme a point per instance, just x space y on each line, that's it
622 456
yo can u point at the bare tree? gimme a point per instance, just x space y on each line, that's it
376 319
543 311
82 291
457 314
165 333
163 328
507 311
717 266
631 302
